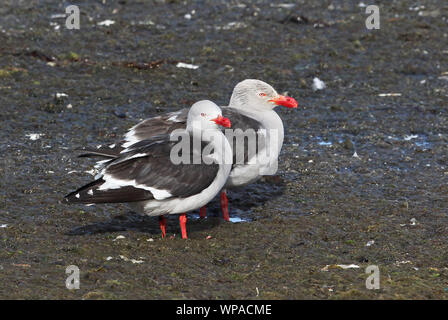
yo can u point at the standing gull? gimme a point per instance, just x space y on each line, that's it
251 107
144 174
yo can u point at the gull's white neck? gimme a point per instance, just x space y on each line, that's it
269 120
273 126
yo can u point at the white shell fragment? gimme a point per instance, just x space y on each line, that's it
410 137
342 266
34 136
106 23
131 260
348 266
119 237
283 5
186 65
389 95
318 84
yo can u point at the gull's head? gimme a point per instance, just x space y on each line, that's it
206 115
256 94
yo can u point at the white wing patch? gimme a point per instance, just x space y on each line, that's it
157 193
100 163
130 139
99 166
112 183
174 116
137 155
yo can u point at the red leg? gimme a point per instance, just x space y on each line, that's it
182 223
202 213
223 201
162 226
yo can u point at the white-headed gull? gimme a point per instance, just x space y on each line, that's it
251 107
144 174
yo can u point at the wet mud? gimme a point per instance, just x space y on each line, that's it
362 176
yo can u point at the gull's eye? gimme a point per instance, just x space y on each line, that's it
203 114
262 94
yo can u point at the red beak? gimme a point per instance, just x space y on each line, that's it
285 101
222 121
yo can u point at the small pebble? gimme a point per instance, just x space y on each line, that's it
119 114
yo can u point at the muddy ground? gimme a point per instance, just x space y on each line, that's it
357 167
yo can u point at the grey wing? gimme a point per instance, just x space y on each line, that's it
160 125
144 173
147 129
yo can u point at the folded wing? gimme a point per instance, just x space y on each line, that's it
145 172
147 129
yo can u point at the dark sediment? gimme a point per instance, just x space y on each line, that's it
323 208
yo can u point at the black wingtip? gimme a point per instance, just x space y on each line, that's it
80 195
70 198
